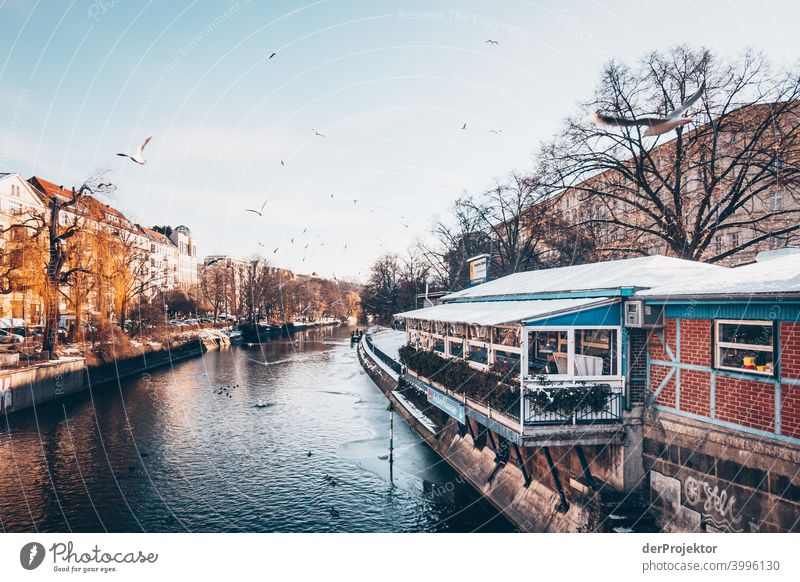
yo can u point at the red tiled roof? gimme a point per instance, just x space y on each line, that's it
49 189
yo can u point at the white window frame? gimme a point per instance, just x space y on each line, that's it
571 352
732 345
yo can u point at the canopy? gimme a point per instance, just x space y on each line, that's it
499 312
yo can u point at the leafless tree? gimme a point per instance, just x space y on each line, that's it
734 173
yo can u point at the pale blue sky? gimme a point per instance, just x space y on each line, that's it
389 83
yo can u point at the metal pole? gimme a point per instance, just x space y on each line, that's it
390 408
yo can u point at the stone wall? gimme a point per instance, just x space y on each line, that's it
706 478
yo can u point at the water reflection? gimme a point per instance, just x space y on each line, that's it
186 449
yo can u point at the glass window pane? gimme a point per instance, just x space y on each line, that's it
547 352
751 334
438 344
478 354
507 336
744 359
457 349
595 352
506 362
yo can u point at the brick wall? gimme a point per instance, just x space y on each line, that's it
696 341
656 347
746 402
790 350
637 340
667 395
695 391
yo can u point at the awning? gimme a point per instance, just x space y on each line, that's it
499 312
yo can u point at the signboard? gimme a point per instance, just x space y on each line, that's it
478 269
449 405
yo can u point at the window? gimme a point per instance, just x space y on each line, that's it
478 354
479 332
595 352
574 352
456 349
547 353
438 344
456 330
506 362
776 200
746 346
507 336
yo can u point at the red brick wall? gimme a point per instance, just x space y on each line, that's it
746 402
790 410
695 342
667 396
656 347
790 350
695 390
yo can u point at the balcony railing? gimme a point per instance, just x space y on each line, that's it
608 411
386 359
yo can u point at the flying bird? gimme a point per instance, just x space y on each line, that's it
138 157
495 131
355 201
272 55
260 211
490 41
282 164
317 132
275 251
655 125
464 126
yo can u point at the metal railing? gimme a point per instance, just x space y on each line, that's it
389 361
610 413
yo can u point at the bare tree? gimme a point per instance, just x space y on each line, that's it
734 173
56 233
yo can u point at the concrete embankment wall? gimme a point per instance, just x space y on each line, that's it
713 479
533 507
23 388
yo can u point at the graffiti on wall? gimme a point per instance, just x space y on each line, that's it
718 508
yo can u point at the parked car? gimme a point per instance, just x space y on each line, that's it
7 337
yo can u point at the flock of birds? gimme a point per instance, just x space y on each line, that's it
655 126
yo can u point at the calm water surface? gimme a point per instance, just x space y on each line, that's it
169 452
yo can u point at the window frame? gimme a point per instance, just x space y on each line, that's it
570 330
717 346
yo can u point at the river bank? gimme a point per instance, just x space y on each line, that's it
26 386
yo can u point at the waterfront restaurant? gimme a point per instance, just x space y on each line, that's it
563 328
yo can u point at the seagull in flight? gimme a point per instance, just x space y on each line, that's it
138 157
490 41
275 251
655 125
495 131
260 211
272 55
355 201
464 126
282 164
317 132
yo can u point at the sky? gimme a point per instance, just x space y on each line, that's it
390 84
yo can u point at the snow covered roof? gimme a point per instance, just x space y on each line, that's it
775 274
498 312
642 272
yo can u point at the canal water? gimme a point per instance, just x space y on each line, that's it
185 448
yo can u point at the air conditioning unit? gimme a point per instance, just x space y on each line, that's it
640 315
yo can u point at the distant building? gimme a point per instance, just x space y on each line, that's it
18 200
186 262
